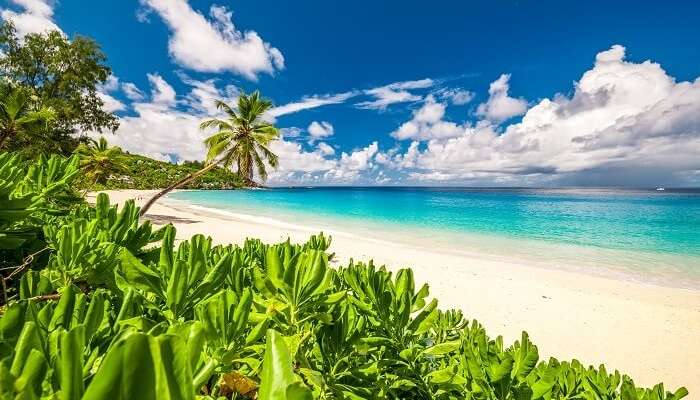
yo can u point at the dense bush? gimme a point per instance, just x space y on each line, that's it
122 311
147 173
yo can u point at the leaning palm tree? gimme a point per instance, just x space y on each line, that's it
99 161
19 114
242 139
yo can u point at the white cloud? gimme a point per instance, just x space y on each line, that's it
293 158
103 92
456 96
500 106
161 93
291 132
626 123
214 44
36 16
428 124
325 149
204 94
309 102
319 130
394 93
298 166
132 91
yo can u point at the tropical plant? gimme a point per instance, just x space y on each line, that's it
30 196
99 161
120 311
242 139
20 115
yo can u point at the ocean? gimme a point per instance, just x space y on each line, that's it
641 234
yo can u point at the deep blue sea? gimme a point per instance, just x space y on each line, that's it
647 231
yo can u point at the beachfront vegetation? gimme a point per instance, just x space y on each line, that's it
241 139
101 305
142 172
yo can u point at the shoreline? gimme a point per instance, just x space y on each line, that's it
568 314
643 267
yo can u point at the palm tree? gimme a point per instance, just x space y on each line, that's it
242 139
18 113
98 161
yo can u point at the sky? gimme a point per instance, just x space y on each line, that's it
478 93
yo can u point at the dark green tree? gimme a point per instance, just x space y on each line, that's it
63 74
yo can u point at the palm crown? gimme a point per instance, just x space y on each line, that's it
98 160
243 137
18 113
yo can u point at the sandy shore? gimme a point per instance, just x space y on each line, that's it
651 333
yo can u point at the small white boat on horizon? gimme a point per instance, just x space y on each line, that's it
660 189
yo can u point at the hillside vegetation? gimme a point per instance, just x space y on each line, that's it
99 305
146 173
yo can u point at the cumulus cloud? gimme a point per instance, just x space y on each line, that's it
214 44
33 16
394 93
162 93
319 130
111 104
500 106
622 117
300 166
428 124
325 149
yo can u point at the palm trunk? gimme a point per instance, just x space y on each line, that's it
175 186
4 135
87 189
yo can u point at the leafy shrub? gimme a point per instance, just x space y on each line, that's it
121 311
30 196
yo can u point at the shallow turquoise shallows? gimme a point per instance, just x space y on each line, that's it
639 228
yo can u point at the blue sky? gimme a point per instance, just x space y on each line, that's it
402 93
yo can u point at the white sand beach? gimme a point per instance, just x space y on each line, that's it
651 333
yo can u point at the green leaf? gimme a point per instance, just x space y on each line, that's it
137 275
525 358
277 380
443 348
71 359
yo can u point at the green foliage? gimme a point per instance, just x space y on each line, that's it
29 197
99 161
121 311
20 114
65 75
139 172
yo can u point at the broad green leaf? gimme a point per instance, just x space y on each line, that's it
443 348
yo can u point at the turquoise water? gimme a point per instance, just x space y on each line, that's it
642 229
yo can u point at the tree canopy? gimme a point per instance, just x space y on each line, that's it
63 74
